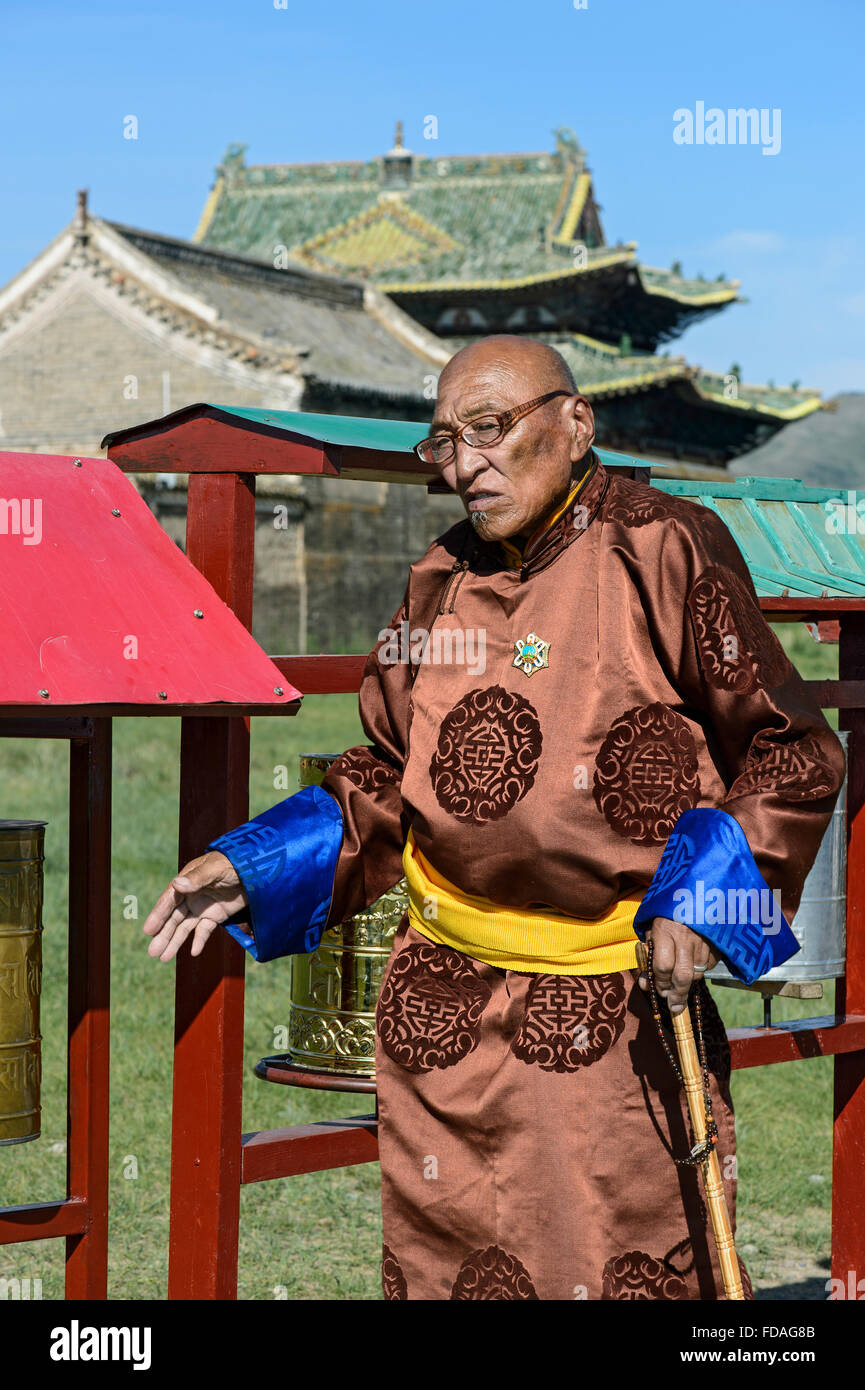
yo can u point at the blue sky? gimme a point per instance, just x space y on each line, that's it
327 81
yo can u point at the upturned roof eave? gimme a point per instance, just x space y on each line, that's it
710 299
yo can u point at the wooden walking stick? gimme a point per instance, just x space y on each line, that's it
689 1064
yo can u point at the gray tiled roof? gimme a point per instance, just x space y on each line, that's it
295 309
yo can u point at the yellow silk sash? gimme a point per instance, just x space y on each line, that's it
531 939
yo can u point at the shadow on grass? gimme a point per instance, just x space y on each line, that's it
805 1290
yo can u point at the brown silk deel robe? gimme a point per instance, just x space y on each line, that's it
529 1123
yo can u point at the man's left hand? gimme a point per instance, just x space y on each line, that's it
680 956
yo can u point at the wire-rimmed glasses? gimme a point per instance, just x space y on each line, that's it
440 448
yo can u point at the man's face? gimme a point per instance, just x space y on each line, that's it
508 488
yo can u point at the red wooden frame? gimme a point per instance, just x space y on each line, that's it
211 1158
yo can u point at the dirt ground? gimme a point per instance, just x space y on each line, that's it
782 1269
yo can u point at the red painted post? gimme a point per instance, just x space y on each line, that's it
88 1001
848 1149
208 1043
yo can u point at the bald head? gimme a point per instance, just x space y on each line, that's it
510 486
527 360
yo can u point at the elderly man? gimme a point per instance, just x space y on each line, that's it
636 755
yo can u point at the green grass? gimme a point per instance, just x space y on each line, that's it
317 1236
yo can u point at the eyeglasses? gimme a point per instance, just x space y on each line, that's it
488 429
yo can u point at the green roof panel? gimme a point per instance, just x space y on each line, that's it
796 539
355 431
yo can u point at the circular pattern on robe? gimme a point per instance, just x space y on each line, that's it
799 771
364 769
493 1274
646 773
636 1275
392 1278
487 756
738 651
570 1021
429 1009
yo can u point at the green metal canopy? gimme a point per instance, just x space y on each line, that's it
797 540
353 431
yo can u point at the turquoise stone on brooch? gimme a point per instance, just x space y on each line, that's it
532 654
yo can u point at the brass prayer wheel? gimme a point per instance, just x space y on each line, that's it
335 988
21 880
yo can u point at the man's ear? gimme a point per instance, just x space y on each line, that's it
582 428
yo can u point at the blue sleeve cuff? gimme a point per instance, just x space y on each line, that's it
286 860
708 879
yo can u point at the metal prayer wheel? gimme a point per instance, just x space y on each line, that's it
334 989
21 858
820 923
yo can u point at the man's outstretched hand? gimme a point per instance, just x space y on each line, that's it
677 950
205 893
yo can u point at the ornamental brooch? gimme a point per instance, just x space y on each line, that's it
531 654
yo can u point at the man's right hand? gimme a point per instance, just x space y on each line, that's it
205 893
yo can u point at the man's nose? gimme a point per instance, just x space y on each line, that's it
469 462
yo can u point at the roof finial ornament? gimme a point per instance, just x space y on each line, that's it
397 166
232 163
569 146
81 213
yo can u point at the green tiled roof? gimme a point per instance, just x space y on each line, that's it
599 368
472 221
492 220
697 291
785 402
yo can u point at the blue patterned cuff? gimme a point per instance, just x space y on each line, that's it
286 859
708 879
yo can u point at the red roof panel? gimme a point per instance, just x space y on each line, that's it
99 607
